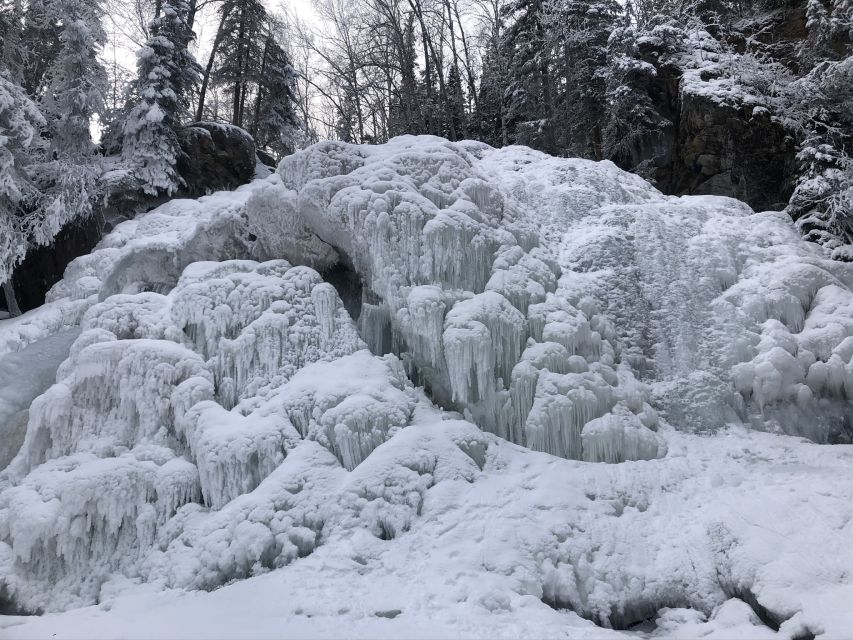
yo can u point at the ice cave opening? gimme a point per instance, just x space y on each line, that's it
343 277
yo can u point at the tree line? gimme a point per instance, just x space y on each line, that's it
569 77
583 78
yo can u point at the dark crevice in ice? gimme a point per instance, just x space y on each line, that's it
349 286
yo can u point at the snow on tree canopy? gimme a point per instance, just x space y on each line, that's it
346 368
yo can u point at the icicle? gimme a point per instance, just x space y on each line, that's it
617 437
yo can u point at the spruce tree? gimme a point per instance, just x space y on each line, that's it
633 124
490 116
167 72
241 53
21 122
74 86
822 202
12 56
455 109
530 106
275 125
578 32
40 43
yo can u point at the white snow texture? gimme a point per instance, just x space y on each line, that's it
343 368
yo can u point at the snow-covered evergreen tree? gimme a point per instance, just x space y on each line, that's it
530 104
167 72
490 117
456 103
241 53
632 122
12 55
74 93
275 124
39 43
20 125
830 30
823 200
578 33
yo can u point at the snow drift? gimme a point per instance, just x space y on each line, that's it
225 411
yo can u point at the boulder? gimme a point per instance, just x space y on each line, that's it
215 156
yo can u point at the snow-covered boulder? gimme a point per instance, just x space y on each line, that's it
215 156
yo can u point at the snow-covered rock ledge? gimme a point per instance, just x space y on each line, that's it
286 380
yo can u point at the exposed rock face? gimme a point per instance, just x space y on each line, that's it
216 156
721 143
43 267
734 151
712 148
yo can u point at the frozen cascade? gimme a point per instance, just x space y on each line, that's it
111 395
139 423
435 243
234 453
351 405
258 323
219 417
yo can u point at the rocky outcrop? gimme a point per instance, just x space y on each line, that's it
43 266
711 146
737 151
215 156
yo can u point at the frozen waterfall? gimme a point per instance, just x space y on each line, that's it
204 408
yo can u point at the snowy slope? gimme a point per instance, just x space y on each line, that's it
585 405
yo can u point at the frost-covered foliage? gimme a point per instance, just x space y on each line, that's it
75 82
167 73
827 21
823 199
20 124
219 416
49 93
822 202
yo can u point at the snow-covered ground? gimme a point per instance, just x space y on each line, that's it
569 404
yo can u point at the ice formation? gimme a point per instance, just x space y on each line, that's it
292 374
142 418
457 283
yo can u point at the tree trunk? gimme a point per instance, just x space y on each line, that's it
244 91
242 53
472 85
191 14
258 99
206 79
452 99
11 300
416 7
